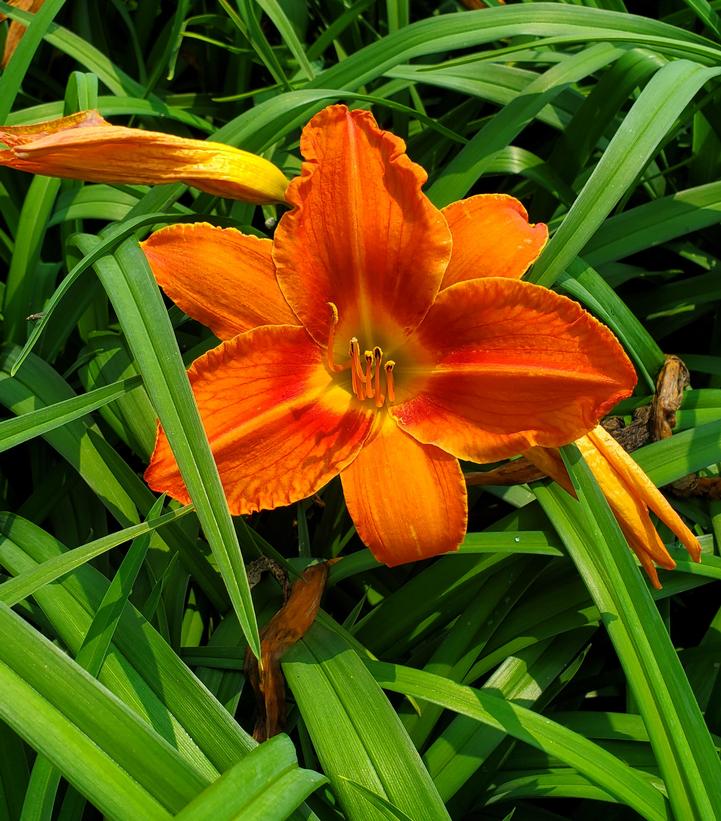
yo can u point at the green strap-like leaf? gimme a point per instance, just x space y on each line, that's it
685 753
629 786
267 785
14 72
356 733
41 676
633 145
130 285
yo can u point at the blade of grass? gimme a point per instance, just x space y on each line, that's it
96 775
111 725
469 164
136 298
42 791
14 432
631 787
705 12
558 22
645 126
19 588
355 731
280 20
82 51
20 287
114 236
142 668
114 482
266 785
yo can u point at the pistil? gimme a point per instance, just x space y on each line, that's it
334 368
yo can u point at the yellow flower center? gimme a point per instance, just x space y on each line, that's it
367 380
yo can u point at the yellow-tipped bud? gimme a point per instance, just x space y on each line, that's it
86 147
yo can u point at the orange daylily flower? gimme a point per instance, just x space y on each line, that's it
84 146
630 494
382 339
16 29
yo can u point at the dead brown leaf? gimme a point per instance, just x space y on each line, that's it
513 473
478 4
672 380
288 626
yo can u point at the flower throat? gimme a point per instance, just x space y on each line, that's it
366 380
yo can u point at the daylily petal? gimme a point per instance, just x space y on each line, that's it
222 278
549 461
630 494
628 508
640 484
278 426
631 516
491 238
506 365
361 234
86 147
407 500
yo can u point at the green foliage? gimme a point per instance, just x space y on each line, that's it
533 674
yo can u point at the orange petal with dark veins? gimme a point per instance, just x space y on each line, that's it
219 276
407 500
278 425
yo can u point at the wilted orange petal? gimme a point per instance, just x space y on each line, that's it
16 29
509 365
85 147
636 479
550 462
630 513
361 234
222 278
407 500
491 238
279 428
647 565
287 627
627 505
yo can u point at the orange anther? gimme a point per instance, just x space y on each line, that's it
377 359
369 374
390 386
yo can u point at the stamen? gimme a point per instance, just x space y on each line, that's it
331 339
367 382
369 374
356 361
390 386
377 359
354 353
